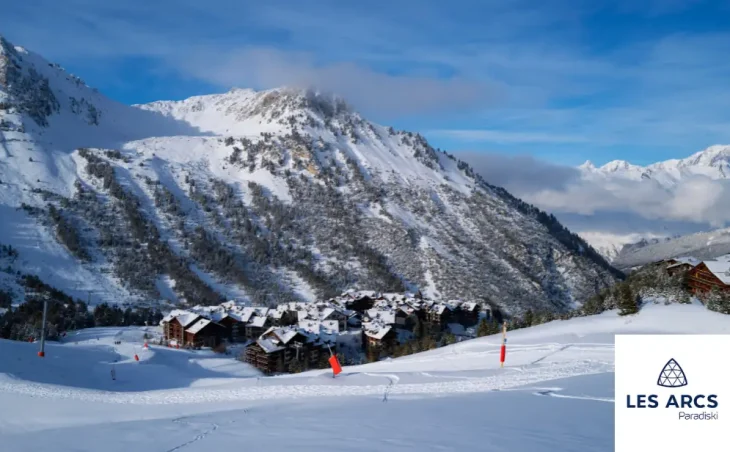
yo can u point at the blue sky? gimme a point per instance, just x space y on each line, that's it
561 80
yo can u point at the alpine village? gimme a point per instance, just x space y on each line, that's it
366 326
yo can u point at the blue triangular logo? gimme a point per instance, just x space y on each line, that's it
672 375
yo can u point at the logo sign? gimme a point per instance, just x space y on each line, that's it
664 405
672 375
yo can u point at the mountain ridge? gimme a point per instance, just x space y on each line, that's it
712 162
267 195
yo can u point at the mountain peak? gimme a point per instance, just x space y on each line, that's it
323 104
617 165
712 156
587 165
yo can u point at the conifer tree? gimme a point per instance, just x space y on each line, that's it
627 300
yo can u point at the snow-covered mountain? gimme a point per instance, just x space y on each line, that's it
713 162
628 251
271 196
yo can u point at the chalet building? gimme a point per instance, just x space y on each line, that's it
175 323
234 328
708 275
680 264
283 349
439 316
405 317
360 301
256 326
265 356
379 338
468 314
204 333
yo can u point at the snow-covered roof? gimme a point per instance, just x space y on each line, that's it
439 308
258 321
386 316
686 260
269 346
721 269
376 330
197 326
468 305
184 317
320 327
283 334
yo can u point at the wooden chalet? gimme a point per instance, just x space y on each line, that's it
360 302
708 275
174 325
468 314
379 338
405 317
234 328
439 316
279 349
204 333
265 356
256 326
680 264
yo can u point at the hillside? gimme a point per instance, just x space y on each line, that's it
176 399
269 196
702 245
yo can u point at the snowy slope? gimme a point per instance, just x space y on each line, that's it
269 196
438 400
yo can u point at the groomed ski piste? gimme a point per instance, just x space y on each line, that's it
555 393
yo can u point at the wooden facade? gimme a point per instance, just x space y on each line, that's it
439 318
361 304
208 336
270 355
701 279
234 330
257 327
468 315
384 343
175 331
268 362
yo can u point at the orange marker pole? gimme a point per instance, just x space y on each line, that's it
503 351
334 363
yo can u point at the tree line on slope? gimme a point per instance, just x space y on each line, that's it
64 314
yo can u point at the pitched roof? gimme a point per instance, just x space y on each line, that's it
197 326
469 306
258 321
376 330
268 345
385 316
721 269
186 318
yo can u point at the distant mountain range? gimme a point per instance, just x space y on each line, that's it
713 162
270 196
626 251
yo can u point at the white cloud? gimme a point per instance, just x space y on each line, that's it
614 205
366 89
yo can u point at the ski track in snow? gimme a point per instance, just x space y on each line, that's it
552 393
182 420
499 381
